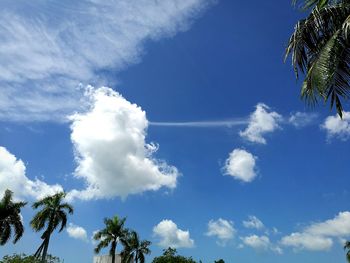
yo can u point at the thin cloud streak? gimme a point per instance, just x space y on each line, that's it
202 124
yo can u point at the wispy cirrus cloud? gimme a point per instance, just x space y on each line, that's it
48 48
203 124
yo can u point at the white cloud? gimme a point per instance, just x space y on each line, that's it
13 177
253 222
77 232
222 229
241 165
257 242
261 243
261 122
307 241
51 47
336 127
319 236
339 226
302 119
171 236
112 155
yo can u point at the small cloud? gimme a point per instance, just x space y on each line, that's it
77 232
241 165
302 119
336 127
275 231
253 222
171 236
261 243
222 229
261 122
257 242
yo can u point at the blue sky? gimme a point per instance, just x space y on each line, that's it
198 136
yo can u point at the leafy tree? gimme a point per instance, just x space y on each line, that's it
22 258
53 213
170 256
320 49
10 218
219 261
134 249
113 232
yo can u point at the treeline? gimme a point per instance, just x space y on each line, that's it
52 214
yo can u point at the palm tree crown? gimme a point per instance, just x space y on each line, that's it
347 247
10 217
110 235
135 249
320 49
53 213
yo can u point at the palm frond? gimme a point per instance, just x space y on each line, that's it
5 233
62 217
100 245
330 73
320 49
19 229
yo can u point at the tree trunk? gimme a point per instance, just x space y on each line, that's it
39 250
114 246
46 246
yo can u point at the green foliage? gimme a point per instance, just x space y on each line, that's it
170 256
320 50
113 232
22 258
53 214
219 261
134 249
10 218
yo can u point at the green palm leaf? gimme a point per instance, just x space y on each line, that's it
10 218
52 214
320 50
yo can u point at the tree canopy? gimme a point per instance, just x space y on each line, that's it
170 256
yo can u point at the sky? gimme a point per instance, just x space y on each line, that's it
178 115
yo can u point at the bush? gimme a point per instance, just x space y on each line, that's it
23 258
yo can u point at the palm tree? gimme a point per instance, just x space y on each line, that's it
320 49
53 213
134 249
10 217
347 247
110 235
